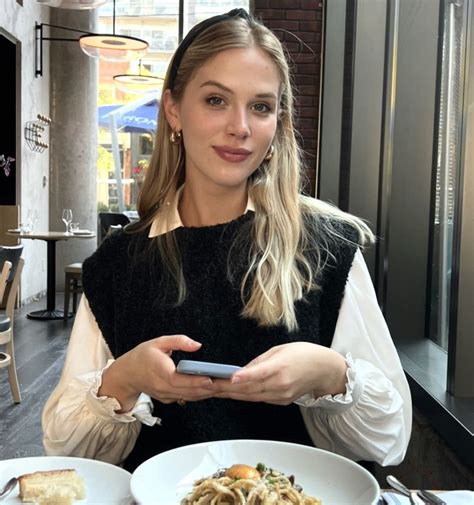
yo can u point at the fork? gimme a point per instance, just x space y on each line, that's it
8 488
401 488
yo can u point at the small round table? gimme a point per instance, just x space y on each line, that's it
51 237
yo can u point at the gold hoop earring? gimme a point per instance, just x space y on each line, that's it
176 137
269 154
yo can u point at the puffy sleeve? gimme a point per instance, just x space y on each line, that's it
372 420
75 421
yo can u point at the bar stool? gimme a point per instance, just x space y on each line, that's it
72 284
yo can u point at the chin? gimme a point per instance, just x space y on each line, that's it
233 178
233 182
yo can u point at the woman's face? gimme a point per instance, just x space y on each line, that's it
228 117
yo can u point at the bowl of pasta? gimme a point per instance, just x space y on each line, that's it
253 472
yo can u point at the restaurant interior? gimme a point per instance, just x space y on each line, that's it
384 96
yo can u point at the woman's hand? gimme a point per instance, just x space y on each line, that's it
286 372
149 369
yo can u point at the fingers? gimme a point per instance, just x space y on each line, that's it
191 391
255 391
249 387
173 386
184 381
256 372
267 378
188 388
161 380
260 368
169 343
167 378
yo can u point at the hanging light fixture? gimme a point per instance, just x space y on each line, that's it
113 47
72 4
138 83
109 47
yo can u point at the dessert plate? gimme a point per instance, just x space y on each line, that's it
105 484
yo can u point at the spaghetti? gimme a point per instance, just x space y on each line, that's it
246 485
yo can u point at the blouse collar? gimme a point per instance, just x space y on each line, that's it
168 219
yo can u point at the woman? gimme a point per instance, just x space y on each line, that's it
229 263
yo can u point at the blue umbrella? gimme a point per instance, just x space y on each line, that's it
142 119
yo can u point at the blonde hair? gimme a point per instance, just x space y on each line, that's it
285 253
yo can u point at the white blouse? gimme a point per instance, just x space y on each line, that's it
371 421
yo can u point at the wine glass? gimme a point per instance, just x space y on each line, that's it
67 218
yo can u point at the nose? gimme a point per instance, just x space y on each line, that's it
238 122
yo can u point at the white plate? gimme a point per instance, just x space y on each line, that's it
166 478
105 484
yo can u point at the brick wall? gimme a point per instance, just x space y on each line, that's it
298 24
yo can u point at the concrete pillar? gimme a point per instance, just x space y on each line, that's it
73 138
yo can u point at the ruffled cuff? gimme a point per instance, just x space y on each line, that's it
342 401
106 407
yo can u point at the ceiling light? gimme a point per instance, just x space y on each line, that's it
138 83
109 47
113 47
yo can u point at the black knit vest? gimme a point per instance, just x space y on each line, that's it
133 300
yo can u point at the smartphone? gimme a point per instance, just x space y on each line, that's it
216 370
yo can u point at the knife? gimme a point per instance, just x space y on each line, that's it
430 497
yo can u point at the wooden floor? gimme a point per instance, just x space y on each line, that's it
40 348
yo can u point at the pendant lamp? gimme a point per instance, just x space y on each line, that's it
109 47
138 83
72 4
112 47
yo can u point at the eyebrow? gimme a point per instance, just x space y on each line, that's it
228 90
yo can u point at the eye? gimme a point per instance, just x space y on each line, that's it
263 108
215 101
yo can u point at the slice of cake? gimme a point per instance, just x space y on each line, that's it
53 487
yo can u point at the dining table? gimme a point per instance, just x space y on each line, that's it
51 238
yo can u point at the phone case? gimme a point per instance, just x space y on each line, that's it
216 370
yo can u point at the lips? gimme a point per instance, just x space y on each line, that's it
232 154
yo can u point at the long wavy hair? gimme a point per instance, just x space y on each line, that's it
285 254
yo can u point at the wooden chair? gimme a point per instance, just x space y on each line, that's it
72 284
10 255
5 359
4 277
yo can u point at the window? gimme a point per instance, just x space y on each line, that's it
135 7
156 40
446 177
398 80
126 151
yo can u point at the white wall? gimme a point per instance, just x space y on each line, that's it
18 22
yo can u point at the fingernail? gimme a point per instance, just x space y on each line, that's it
236 380
206 383
195 344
